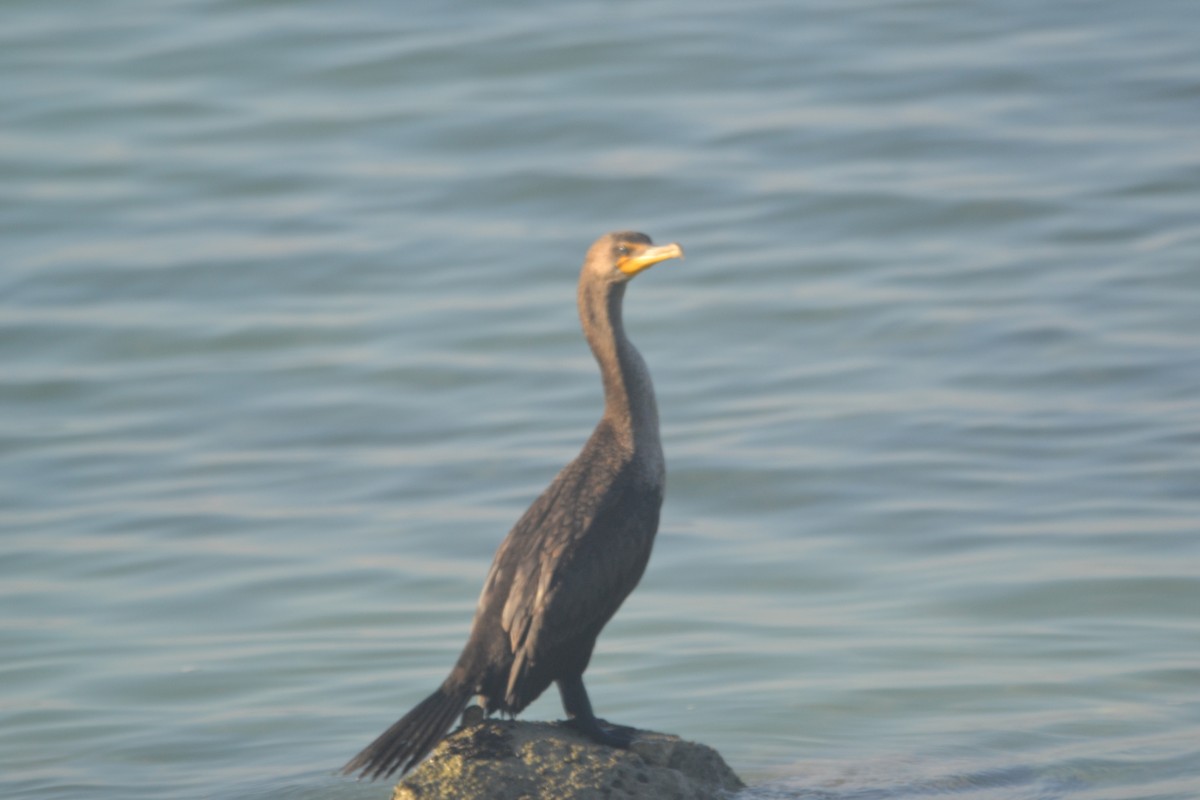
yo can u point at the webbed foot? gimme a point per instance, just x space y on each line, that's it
601 732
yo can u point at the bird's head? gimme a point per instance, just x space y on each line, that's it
617 257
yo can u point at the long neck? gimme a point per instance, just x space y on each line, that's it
629 405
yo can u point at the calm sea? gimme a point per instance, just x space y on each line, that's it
288 341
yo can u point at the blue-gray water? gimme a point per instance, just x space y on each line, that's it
288 342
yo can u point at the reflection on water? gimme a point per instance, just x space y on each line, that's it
287 327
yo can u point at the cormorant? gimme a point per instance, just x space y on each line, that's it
573 557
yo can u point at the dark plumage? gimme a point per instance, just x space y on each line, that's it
576 553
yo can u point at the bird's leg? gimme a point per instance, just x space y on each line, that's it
580 716
473 715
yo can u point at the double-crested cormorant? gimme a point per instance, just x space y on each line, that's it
573 557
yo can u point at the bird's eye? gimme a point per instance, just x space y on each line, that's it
622 249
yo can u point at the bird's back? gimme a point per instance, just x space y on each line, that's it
564 570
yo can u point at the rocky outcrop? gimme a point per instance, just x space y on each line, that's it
509 760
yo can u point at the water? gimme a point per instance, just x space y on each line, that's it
288 343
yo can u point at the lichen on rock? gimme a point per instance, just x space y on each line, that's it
510 760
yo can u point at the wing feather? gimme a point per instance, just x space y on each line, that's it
590 553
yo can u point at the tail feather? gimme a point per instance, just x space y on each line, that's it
411 738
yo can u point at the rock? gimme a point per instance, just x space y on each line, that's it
509 760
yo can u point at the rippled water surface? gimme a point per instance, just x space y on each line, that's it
288 343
